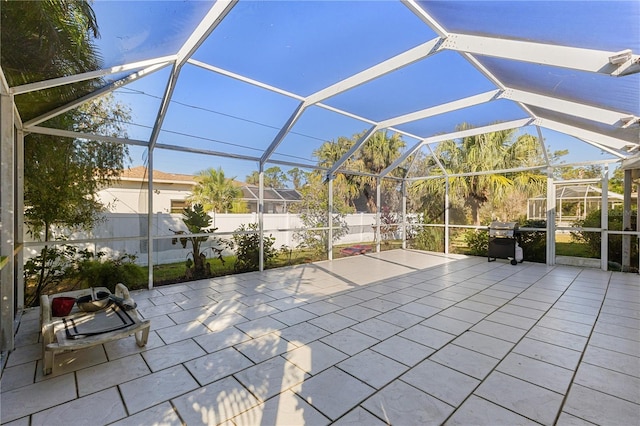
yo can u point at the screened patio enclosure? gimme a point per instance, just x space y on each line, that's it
248 85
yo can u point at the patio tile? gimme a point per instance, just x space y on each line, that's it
29 399
617 331
321 307
566 326
374 369
218 340
293 316
402 404
403 350
484 344
489 300
25 354
349 341
558 338
466 361
343 300
71 361
400 318
511 320
531 401
612 360
125 347
566 419
99 408
549 353
315 357
447 324
332 322
264 347
358 313
110 374
161 321
419 309
341 398
260 327
609 382
195 314
380 304
156 388
154 311
303 333
478 411
182 331
224 320
271 377
588 319
217 365
255 312
285 409
532 304
215 403
501 331
20 422
599 408
625 346
173 354
359 417
427 336
477 306
159 415
18 376
377 329
442 382
537 372
436 302
462 314
171 298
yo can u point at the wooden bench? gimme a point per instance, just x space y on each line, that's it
54 336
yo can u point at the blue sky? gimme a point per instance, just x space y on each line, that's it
302 47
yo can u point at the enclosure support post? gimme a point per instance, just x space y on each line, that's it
150 216
378 224
7 219
330 219
551 218
261 217
604 219
19 219
447 187
626 222
404 214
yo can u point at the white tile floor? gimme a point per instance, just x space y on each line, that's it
401 337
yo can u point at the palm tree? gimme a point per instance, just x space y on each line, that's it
214 191
481 153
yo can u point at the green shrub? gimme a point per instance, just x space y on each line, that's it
248 248
534 243
478 241
94 272
429 239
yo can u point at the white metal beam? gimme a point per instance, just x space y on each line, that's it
587 112
586 135
164 106
441 109
385 67
216 14
425 17
61 81
546 54
456 135
95 94
88 136
356 146
283 132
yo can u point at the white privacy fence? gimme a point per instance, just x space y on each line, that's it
125 233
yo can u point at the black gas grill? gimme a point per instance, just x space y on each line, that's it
503 240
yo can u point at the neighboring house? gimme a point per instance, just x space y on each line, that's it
171 190
129 195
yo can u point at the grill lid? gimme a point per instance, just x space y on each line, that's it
502 229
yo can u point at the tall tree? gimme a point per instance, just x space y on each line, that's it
482 153
214 191
274 177
297 177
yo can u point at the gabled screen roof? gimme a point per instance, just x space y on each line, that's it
271 81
